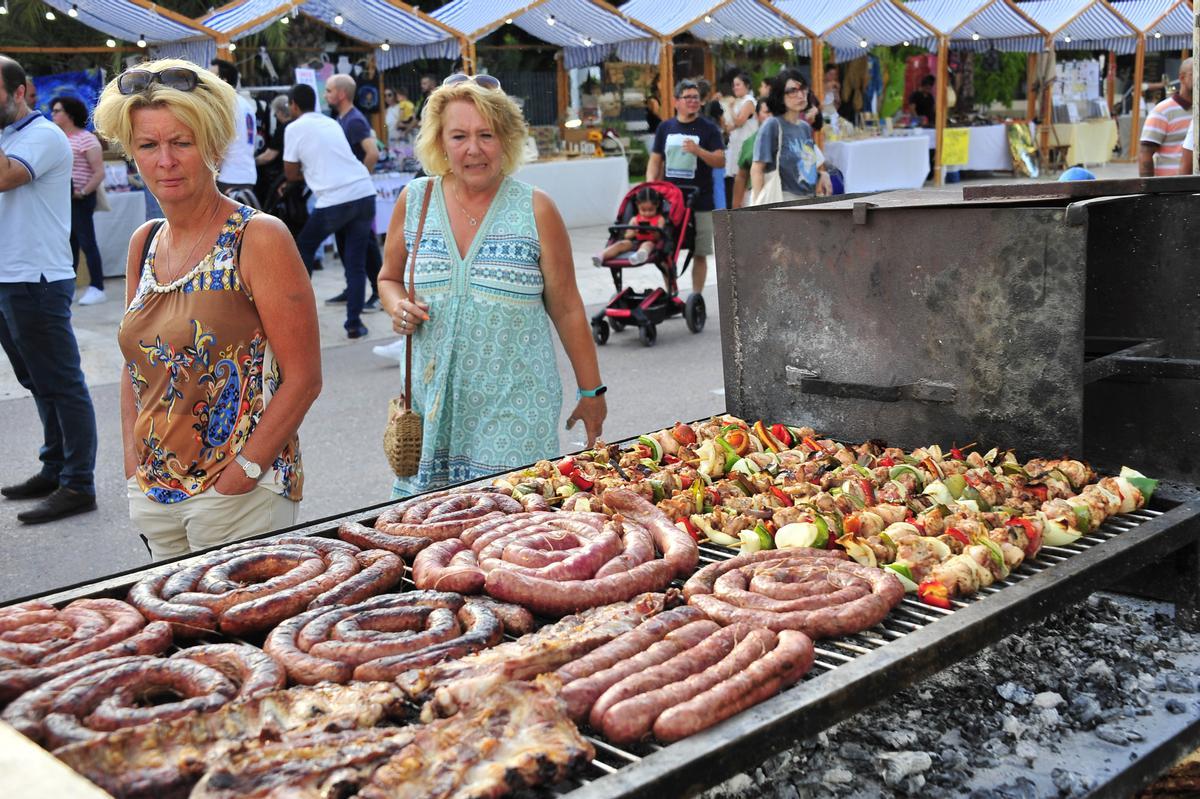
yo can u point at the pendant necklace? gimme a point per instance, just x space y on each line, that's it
187 258
472 219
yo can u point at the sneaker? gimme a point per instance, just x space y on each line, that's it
597 260
638 257
371 305
63 502
357 331
35 487
92 296
394 350
338 300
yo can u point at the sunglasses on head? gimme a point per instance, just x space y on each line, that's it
134 81
485 81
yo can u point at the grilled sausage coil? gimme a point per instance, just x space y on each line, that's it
39 642
551 563
252 586
381 637
799 590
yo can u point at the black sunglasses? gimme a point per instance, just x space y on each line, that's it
486 81
134 81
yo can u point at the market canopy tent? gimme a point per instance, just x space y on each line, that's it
167 33
982 24
1082 25
716 22
1163 26
588 31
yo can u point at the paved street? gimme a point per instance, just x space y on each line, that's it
345 469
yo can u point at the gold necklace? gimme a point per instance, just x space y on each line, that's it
187 258
472 219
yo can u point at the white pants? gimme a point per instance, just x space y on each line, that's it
207 520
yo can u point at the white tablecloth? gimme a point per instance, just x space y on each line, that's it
387 189
988 145
587 191
115 228
880 164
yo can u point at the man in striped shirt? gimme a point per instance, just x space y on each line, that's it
1165 128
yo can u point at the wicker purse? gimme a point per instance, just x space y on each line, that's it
405 429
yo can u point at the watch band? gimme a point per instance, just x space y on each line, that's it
595 392
252 469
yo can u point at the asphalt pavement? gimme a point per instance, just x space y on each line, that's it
649 387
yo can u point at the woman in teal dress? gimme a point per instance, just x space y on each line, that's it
494 270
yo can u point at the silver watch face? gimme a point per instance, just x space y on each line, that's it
252 469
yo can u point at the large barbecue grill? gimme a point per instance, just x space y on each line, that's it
871 318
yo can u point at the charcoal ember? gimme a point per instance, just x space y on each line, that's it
1013 726
1027 751
1112 734
895 767
1048 699
838 776
1084 708
1181 684
996 748
1049 718
898 739
951 759
1070 783
1176 707
1099 672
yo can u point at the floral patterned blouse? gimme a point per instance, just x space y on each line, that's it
202 373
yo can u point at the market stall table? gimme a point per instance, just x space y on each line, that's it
586 191
987 145
115 228
387 188
1091 142
880 164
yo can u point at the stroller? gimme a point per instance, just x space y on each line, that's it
647 309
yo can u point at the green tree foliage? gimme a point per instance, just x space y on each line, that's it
999 85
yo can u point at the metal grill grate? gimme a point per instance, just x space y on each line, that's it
909 615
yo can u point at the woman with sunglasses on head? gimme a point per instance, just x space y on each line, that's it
493 270
219 336
87 173
801 164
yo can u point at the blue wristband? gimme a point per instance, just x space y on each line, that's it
595 392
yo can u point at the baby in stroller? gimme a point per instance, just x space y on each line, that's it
641 241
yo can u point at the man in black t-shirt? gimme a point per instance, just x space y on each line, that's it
923 103
686 149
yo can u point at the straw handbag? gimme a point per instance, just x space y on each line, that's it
405 428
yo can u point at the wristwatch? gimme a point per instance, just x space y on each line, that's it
252 469
595 392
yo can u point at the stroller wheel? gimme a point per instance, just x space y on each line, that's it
617 325
600 332
694 313
648 334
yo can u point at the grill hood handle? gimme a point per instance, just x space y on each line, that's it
809 382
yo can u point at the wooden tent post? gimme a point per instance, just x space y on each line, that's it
1135 118
817 79
943 79
1111 80
710 67
563 88
223 51
666 80
1030 95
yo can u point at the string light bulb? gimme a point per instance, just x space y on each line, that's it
50 15
111 43
508 21
1158 34
862 43
4 8
550 20
385 46
974 37
905 42
73 11
1067 39
587 41
707 18
787 44
141 42
741 41
338 19
285 20
232 47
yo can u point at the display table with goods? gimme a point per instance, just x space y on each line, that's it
880 163
1091 141
988 149
388 186
116 227
606 621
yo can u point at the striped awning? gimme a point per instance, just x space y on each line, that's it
235 15
852 27
722 22
1167 24
981 24
1082 25
588 32
129 22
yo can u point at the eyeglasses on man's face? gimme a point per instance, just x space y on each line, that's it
689 98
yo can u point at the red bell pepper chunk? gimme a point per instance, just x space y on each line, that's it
886 461
1032 533
913 521
958 535
782 497
738 440
713 496
956 454
566 466
851 524
868 490
782 434
582 481
685 480
935 593
812 444
691 528
669 458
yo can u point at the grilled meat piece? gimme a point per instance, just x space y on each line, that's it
150 760
536 653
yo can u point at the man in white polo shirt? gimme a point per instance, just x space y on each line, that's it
37 284
238 171
315 150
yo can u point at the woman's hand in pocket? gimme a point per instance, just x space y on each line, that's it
233 482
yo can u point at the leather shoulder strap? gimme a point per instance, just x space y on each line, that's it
412 290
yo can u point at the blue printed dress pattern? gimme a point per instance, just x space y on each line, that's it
202 374
485 378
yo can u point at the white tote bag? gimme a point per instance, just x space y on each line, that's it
772 188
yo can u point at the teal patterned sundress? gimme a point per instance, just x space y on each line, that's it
485 380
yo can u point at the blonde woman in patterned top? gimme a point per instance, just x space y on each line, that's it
219 337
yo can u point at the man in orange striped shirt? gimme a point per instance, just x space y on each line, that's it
1165 128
